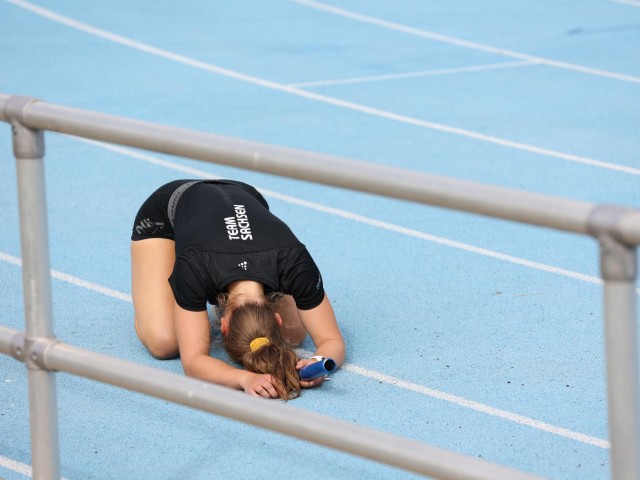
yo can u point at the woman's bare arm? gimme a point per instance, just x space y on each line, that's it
192 330
322 326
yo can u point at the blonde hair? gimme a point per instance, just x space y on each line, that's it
253 320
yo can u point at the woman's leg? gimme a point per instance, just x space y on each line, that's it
291 328
152 262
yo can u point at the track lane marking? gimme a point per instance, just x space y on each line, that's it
381 377
127 42
379 22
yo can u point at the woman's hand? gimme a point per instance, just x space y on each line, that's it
259 385
314 382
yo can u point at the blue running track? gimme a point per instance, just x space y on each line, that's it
472 334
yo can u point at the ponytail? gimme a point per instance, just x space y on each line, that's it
254 340
280 362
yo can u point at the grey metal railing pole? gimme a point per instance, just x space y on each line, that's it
28 147
506 203
617 229
619 271
280 417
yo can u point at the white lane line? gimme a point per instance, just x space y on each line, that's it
72 280
354 368
403 76
10 259
479 407
381 377
634 3
90 286
321 98
470 404
359 218
439 240
14 465
463 43
18 467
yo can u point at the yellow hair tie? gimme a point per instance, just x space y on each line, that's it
256 343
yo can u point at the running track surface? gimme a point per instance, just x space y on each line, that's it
476 335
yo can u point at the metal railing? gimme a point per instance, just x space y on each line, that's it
616 228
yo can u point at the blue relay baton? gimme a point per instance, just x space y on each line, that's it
322 367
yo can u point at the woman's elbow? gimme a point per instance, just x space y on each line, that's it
340 351
189 367
343 357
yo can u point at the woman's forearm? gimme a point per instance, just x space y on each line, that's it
213 370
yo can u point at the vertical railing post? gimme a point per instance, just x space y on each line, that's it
28 147
619 271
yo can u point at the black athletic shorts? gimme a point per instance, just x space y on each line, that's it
152 220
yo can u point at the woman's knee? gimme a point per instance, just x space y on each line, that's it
161 344
163 348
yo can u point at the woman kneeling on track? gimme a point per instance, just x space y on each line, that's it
216 241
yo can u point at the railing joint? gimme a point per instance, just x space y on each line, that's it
27 142
605 219
17 347
36 350
618 261
15 107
